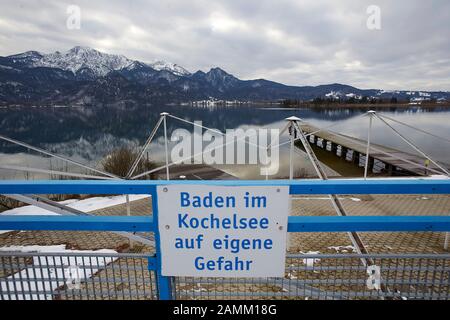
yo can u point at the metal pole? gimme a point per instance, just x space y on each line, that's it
291 156
64 210
164 114
147 143
337 205
447 236
164 283
128 204
292 120
368 144
265 158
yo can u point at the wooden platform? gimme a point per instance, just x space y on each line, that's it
359 146
194 172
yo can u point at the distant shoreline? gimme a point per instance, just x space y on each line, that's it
266 105
365 106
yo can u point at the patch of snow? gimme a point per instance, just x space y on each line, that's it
310 261
403 298
86 205
100 63
50 272
199 288
13 83
79 58
333 94
168 66
353 95
291 276
26 55
419 99
6 67
33 248
342 249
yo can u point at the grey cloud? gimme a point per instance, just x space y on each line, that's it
291 41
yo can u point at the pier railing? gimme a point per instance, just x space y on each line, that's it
138 276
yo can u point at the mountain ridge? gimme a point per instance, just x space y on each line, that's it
85 76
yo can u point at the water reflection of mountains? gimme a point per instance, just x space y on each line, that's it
52 125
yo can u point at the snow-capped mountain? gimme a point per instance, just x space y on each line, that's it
84 59
29 57
171 67
85 76
79 58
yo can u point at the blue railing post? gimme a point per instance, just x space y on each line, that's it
163 283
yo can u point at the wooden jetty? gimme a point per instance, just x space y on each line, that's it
355 148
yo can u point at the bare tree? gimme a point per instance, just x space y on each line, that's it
120 161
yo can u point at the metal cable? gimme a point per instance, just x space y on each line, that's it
60 173
414 128
207 128
194 155
318 130
385 153
149 140
414 146
26 145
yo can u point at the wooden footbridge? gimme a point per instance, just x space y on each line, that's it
396 162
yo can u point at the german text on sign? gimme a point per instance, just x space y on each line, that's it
221 231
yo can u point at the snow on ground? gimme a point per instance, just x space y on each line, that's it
343 249
51 273
37 249
310 261
85 205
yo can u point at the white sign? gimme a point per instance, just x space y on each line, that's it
221 231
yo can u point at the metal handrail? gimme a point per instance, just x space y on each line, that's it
295 223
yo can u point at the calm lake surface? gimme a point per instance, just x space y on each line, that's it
89 134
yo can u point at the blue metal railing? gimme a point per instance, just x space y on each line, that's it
353 186
295 223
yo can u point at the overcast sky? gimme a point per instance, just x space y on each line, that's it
291 41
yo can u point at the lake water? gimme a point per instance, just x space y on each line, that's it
89 134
